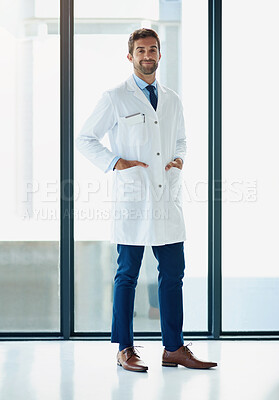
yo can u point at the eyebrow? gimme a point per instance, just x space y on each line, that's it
142 47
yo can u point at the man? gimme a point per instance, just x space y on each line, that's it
145 124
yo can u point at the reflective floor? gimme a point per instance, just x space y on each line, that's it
81 370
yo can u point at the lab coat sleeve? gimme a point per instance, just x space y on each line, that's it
102 120
180 151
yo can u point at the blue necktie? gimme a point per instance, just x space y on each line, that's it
153 97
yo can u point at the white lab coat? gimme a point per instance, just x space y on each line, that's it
147 206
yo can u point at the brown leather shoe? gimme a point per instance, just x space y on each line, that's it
129 359
184 356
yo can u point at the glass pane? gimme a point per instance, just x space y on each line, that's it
250 176
29 169
141 10
194 79
101 64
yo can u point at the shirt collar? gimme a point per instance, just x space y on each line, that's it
142 84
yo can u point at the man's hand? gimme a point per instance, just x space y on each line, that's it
124 164
177 163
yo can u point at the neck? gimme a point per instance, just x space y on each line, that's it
146 78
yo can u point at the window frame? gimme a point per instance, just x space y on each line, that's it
214 192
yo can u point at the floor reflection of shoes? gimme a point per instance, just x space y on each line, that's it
154 313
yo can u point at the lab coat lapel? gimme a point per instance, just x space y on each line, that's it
162 95
133 87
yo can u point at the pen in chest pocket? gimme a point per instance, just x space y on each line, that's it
135 119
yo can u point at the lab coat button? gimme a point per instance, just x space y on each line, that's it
155 122
160 185
158 154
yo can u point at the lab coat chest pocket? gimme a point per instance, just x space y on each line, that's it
132 130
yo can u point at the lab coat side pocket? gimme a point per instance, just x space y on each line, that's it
175 185
130 185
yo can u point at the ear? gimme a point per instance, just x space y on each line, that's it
130 57
159 56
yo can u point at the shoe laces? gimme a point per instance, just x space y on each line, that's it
187 349
132 352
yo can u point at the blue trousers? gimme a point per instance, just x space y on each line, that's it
171 265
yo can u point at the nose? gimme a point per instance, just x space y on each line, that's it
147 57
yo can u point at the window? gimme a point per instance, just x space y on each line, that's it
100 63
29 168
250 174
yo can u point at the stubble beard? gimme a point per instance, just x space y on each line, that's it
146 70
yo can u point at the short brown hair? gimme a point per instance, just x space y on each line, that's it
139 34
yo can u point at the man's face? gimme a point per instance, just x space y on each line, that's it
145 56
